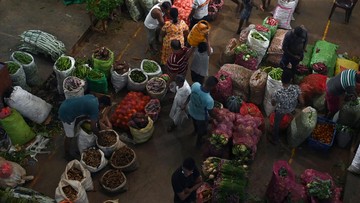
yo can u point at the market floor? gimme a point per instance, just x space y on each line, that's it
159 157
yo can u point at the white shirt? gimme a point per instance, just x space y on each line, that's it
200 12
150 22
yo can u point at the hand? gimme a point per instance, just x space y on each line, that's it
261 7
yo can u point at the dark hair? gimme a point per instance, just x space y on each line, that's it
300 32
287 76
189 164
166 5
179 79
202 47
174 13
212 81
175 44
104 100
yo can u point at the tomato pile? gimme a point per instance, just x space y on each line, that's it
271 21
132 103
184 8
323 132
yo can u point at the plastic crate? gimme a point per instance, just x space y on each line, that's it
317 145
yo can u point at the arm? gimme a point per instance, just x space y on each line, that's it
104 121
285 45
192 13
209 49
94 127
189 52
157 14
257 6
161 35
198 183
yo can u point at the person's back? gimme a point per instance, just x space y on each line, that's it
200 63
200 102
295 41
150 22
343 82
87 105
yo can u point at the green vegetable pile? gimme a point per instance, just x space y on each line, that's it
81 71
95 75
63 63
218 140
22 58
242 152
320 189
283 172
257 36
246 50
12 67
137 76
150 67
276 73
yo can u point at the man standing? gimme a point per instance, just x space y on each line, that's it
294 45
185 181
87 106
200 105
154 21
199 12
343 83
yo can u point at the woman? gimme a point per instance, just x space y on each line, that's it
172 30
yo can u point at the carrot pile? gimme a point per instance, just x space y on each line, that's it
323 132
184 7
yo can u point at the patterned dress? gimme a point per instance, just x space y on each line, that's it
173 31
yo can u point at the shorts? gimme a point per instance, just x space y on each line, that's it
245 14
151 36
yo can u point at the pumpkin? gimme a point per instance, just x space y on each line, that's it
234 103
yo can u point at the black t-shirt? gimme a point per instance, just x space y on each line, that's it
180 182
295 44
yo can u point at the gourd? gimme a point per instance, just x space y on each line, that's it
234 103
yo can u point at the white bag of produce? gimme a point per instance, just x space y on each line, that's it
349 114
110 149
302 126
62 74
284 12
85 140
355 164
30 68
60 194
136 86
257 86
259 43
84 158
28 105
18 77
119 81
12 174
134 9
73 87
149 65
86 182
271 86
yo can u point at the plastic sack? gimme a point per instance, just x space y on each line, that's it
19 77
93 169
344 64
103 65
240 77
257 87
307 55
12 174
29 105
223 89
134 86
271 86
61 75
143 135
310 175
276 43
325 52
344 135
251 63
153 108
198 33
264 31
284 12
259 45
349 114
228 56
17 129
118 81
319 103
313 85
355 164
272 24
110 149
223 115
245 33
73 87
86 182
252 110
147 5
301 126
30 69
204 188
76 185
98 85
85 140
284 123
134 9
154 74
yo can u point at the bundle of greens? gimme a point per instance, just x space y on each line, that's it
321 189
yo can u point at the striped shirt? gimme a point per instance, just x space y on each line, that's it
178 62
343 82
348 78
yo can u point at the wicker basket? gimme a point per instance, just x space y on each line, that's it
157 95
132 166
118 188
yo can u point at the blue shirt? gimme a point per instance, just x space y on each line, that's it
200 102
72 108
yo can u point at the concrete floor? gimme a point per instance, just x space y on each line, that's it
160 156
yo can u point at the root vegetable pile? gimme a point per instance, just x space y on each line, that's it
138 121
121 67
106 138
153 106
156 85
122 157
75 174
323 132
70 192
72 83
113 179
102 53
92 157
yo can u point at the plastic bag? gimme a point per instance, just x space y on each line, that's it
307 55
325 52
86 182
257 86
98 85
272 24
29 105
110 149
223 115
302 126
92 169
31 70
134 86
19 77
355 164
76 185
143 135
103 65
17 129
85 140
349 114
313 85
61 75
147 5
73 87
271 86
198 33
249 63
134 9
118 81
284 12
12 174
264 31
245 33
284 123
344 64
223 89
228 56
259 45
154 74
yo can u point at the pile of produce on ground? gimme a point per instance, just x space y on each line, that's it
184 8
245 56
138 121
156 87
152 109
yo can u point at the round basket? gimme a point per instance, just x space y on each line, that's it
156 95
132 166
119 188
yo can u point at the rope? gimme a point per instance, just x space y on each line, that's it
326 30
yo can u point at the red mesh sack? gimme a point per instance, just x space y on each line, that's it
247 140
285 122
252 110
223 128
210 150
250 64
223 89
223 115
313 85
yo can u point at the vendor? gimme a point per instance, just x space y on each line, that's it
178 61
343 83
84 107
185 181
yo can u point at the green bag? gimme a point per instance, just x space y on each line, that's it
272 28
68 2
104 66
17 129
100 84
325 52
307 55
